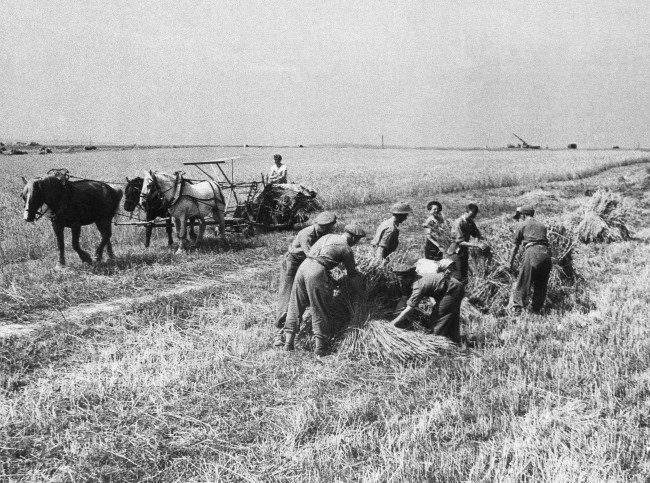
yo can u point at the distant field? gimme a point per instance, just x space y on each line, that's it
343 177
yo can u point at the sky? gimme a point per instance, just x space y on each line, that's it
422 73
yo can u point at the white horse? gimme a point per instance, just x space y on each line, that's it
185 199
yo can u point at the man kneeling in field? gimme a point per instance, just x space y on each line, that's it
447 292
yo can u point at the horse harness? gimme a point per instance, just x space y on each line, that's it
177 189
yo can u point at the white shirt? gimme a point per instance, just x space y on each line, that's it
278 174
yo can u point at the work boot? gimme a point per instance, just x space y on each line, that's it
289 337
279 338
321 346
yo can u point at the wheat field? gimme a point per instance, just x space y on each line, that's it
157 367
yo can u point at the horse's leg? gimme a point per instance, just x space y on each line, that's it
76 232
149 228
222 223
168 227
58 232
199 237
181 232
106 230
192 222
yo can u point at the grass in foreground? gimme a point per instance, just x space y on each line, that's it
193 390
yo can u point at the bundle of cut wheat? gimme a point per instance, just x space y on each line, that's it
380 341
604 219
285 204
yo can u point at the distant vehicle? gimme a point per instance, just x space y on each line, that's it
524 144
572 146
90 148
615 147
45 150
15 151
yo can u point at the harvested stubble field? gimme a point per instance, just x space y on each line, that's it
187 386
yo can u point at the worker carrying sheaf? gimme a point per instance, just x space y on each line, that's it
278 172
462 230
313 285
386 237
446 292
535 268
432 248
296 254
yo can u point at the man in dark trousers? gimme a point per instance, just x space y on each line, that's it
313 287
446 291
462 230
536 264
298 250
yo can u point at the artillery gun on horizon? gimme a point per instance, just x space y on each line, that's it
523 145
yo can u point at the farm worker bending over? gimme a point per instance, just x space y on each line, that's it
278 172
432 249
313 287
386 237
298 250
462 230
536 265
446 291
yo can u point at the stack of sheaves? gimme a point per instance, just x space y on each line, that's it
286 204
604 219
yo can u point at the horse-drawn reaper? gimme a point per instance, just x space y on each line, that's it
238 207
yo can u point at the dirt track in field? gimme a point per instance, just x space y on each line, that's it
80 313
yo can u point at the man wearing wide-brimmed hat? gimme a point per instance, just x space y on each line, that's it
462 230
298 250
386 237
446 291
313 287
535 268
278 172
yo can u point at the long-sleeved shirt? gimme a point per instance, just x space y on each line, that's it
530 231
386 236
428 285
332 249
304 240
461 231
278 174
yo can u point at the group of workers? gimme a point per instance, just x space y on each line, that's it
315 250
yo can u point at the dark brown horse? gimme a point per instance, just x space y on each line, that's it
154 207
73 204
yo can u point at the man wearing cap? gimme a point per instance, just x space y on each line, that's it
298 250
462 230
535 268
446 291
278 172
312 285
432 249
386 237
